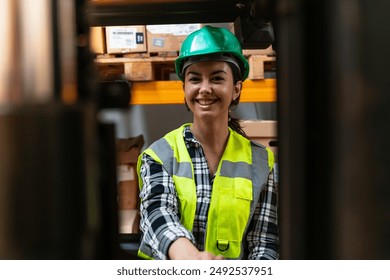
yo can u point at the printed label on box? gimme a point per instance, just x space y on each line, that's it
125 173
174 29
123 37
139 38
158 42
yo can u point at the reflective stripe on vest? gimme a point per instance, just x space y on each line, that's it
239 178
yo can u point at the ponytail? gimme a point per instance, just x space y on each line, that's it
235 125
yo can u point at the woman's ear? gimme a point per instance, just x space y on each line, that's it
237 90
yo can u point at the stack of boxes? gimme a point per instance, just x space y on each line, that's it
128 151
148 38
139 38
138 53
157 41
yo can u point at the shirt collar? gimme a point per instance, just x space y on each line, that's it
189 138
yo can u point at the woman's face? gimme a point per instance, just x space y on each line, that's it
209 89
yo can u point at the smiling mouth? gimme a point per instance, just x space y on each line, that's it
206 102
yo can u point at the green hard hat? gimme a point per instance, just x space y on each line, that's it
213 42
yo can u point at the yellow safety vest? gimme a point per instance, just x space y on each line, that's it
239 180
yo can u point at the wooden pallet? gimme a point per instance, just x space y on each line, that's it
259 64
138 55
160 66
136 68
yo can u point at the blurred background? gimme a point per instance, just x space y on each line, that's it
74 118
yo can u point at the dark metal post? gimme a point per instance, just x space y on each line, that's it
333 114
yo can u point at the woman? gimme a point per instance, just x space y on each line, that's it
207 192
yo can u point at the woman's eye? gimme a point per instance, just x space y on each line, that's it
217 78
193 79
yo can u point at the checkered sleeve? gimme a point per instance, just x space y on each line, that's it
263 236
160 217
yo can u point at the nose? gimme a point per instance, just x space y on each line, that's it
205 87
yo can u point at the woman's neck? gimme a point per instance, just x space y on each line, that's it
213 137
212 134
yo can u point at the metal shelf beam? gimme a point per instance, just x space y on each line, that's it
105 13
171 92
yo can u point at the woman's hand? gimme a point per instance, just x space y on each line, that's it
183 249
208 256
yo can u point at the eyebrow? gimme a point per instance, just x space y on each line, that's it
213 73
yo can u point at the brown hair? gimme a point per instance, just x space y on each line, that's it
234 123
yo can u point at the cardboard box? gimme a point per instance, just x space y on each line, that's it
125 39
129 221
97 40
168 37
128 151
263 132
127 187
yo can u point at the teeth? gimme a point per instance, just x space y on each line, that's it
206 102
